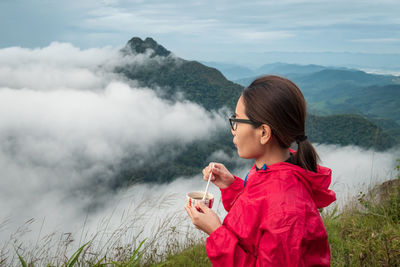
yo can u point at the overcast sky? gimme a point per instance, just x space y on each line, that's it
207 30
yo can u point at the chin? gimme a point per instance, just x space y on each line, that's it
243 156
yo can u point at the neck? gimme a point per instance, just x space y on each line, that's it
272 154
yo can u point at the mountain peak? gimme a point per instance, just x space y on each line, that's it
138 46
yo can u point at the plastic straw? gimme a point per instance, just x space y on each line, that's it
208 183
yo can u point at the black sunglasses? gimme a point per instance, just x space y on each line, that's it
233 122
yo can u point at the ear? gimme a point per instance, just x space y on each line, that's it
265 134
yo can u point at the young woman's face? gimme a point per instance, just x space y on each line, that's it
246 137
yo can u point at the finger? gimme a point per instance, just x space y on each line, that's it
206 171
193 211
218 165
189 212
205 174
203 207
215 170
210 168
194 214
216 173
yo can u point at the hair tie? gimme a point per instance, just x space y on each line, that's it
301 139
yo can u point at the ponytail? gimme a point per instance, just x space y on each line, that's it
306 156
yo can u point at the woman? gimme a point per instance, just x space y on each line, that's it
273 217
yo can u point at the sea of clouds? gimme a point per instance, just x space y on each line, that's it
66 123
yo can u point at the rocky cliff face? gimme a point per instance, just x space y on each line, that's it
138 46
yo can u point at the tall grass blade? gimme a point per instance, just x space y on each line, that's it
99 262
74 258
135 258
23 263
118 264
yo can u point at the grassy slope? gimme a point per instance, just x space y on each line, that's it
365 233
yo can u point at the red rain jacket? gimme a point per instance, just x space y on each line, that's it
274 219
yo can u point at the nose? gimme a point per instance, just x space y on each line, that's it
233 132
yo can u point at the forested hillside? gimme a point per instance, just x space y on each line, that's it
197 82
359 131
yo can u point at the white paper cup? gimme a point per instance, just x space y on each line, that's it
195 197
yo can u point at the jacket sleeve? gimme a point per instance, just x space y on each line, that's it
223 249
230 193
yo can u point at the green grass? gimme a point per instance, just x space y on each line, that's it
366 232
193 256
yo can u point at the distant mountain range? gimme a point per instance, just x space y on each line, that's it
383 62
327 89
244 75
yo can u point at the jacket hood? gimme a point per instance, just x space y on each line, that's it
316 182
319 183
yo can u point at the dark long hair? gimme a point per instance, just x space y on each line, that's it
279 103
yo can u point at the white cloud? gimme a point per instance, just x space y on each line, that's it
355 169
376 40
163 18
60 65
249 36
64 133
381 71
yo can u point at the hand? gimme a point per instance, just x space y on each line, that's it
221 177
204 219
